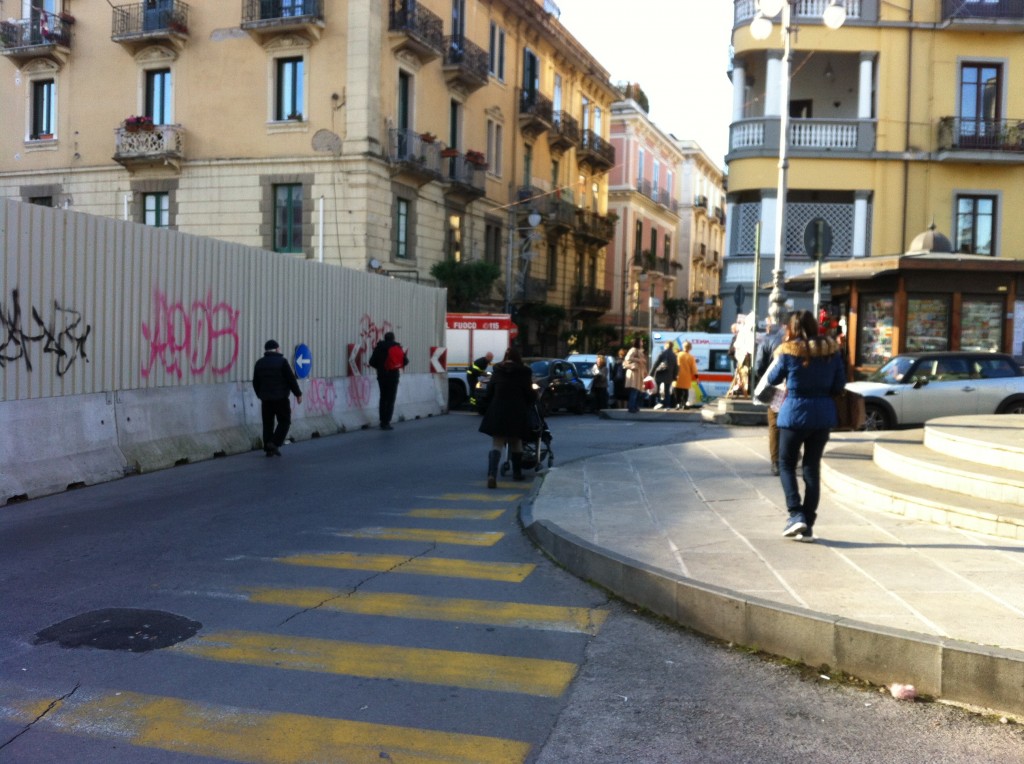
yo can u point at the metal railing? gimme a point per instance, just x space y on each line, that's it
139 19
991 9
534 104
412 18
565 125
408 147
808 10
591 297
962 134
460 170
43 29
254 11
595 144
467 56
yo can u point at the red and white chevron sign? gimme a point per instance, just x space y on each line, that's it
355 360
438 360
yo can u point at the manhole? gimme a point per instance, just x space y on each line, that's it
136 631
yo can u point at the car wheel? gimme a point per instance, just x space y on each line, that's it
876 418
456 395
1013 407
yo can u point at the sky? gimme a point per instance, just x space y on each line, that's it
676 50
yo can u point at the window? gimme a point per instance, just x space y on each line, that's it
454 133
553 265
640 168
976 224
289 100
495 139
980 107
42 201
668 185
454 236
288 217
492 243
668 248
655 172
531 73
458 21
44 109
155 209
585 114
638 243
556 101
497 53
158 96
527 165
402 229
555 168
597 120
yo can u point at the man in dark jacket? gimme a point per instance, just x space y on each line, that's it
666 369
388 359
273 379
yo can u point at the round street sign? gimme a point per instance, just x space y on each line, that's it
303 361
818 239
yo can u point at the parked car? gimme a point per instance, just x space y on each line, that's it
557 382
915 387
584 364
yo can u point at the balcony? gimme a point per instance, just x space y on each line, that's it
807 137
809 12
589 299
267 19
535 113
564 133
158 146
594 228
981 141
559 213
991 15
44 35
464 180
465 64
595 152
719 214
155 21
534 290
413 159
700 203
416 29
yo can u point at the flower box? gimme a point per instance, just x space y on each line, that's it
449 153
136 123
428 137
476 158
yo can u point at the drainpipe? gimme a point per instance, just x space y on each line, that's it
320 230
906 129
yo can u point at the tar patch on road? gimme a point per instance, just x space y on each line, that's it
134 631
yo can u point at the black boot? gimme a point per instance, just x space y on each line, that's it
493 457
517 466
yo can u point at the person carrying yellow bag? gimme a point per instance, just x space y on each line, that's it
687 387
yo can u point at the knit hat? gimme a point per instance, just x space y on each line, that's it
271 345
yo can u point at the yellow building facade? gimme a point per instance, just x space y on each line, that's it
387 135
907 114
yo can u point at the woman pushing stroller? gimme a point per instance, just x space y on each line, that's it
507 420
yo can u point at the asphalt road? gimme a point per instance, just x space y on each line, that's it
365 598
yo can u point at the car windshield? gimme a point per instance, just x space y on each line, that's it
584 368
540 368
893 372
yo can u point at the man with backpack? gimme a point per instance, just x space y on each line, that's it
388 359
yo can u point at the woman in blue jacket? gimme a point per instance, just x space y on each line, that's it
813 369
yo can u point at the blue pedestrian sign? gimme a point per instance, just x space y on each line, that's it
303 361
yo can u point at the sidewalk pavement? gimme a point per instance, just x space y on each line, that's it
693 532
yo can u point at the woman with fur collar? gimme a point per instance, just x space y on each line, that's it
812 367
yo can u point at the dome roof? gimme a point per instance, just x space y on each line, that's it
931 241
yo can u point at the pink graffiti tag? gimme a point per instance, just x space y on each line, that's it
202 333
320 396
360 385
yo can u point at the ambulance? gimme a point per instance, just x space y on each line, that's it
711 352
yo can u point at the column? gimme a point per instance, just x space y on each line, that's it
772 80
860 223
865 87
739 87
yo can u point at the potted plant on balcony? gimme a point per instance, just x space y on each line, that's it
136 123
477 159
449 153
428 137
66 17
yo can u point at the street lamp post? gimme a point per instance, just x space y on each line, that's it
834 17
534 219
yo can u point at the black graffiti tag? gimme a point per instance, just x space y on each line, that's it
62 334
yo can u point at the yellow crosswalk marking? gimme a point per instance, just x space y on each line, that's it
463 538
249 735
531 676
505 497
457 514
513 614
418 566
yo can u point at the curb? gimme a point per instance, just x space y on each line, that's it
956 671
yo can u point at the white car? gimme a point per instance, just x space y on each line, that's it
915 387
584 364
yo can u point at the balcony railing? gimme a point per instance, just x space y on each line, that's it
413 156
164 144
465 63
994 135
535 112
813 10
592 298
564 133
559 212
594 227
1010 10
149 20
466 180
805 135
423 28
39 35
266 18
596 151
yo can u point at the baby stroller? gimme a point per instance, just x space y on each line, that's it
537 448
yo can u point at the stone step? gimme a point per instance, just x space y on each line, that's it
992 440
850 471
907 457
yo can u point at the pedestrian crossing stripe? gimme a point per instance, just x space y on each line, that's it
506 572
477 671
462 538
503 497
247 735
509 614
456 514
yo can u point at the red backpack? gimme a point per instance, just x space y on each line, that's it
395 358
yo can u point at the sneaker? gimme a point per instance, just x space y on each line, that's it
658 406
795 527
807 537
386 427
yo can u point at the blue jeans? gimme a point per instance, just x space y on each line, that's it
813 443
633 395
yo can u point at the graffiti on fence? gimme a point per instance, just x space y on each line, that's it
359 383
61 333
320 396
202 333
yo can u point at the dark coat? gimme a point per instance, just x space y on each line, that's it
671 370
510 397
809 389
273 378
380 355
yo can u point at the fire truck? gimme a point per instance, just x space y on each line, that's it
470 336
